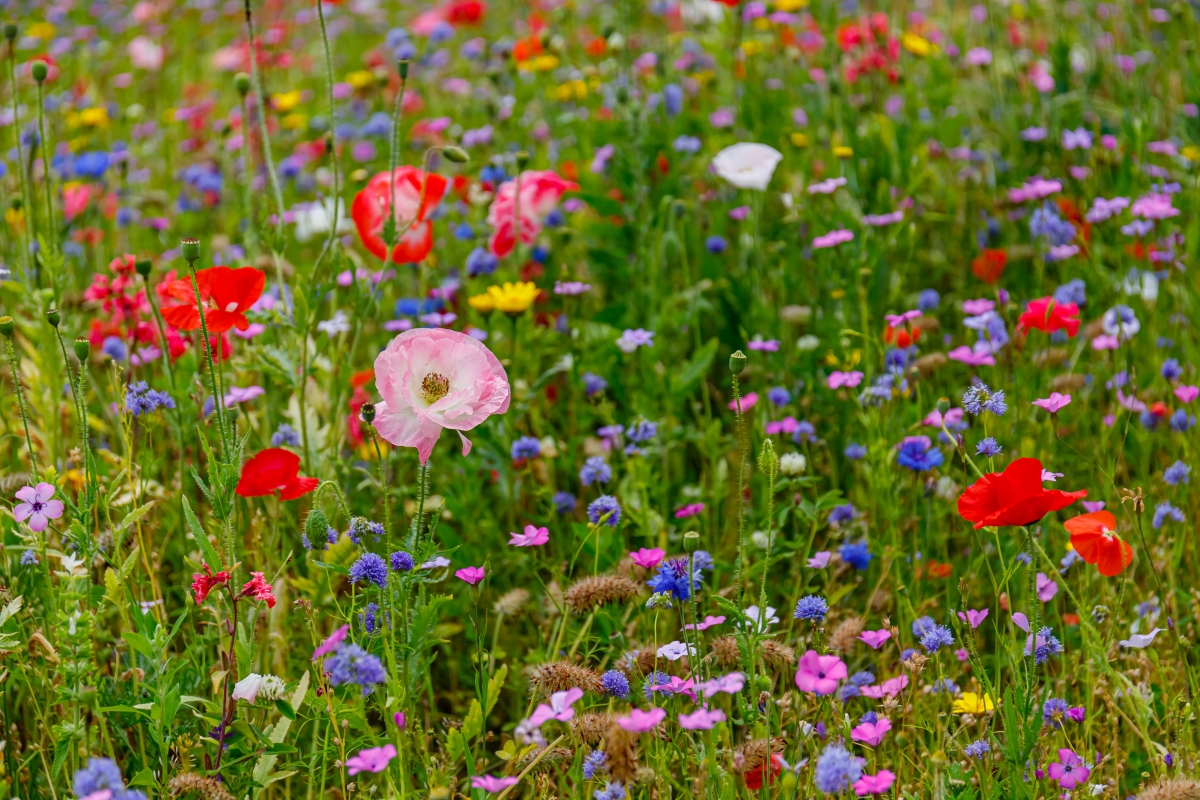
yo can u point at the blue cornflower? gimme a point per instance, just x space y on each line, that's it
641 431
594 470
564 502
716 245
862 678
593 762
140 399
1049 646
918 454
848 691
980 398
1171 369
673 99
613 790
944 686
842 514
304 542
813 608
928 300
101 774
29 558
977 748
988 447
805 432
855 554
481 262
369 618
352 664
779 396
836 770
1024 558
1177 473
1181 421
855 451
331 535
922 626
655 678
1163 511
1053 711
672 578
526 447
602 505
615 684
370 567
593 384
285 435
1073 291
702 559
402 561
358 528
464 232
940 636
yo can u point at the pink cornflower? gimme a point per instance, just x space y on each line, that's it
1069 770
640 721
647 558
532 537
871 733
37 506
1054 403
471 575
373 759
690 510
832 239
819 674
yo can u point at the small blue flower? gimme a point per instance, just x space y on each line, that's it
940 636
401 561
856 554
615 684
285 435
602 505
813 608
526 447
370 567
988 447
594 470
564 502
1177 473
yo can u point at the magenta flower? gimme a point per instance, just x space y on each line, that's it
976 307
819 674
875 639
972 358
373 759
1046 587
677 685
973 617
532 537
871 733
764 345
838 379
889 688
37 506
647 558
1105 342
874 784
898 320
332 643
1069 770
820 560
1054 403
559 708
690 510
709 621
748 401
491 784
400 720
732 683
832 239
1187 394
1092 506
701 719
471 575
640 721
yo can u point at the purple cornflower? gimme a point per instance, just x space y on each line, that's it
988 447
370 567
593 384
977 748
594 470
402 561
813 608
673 578
836 770
526 447
1164 511
939 636
980 398
352 664
1177 473
140 399
856 554
1053 711
285 435
564 502
855 451
603 505
842 514
615 684
593 762
779 396
1171 369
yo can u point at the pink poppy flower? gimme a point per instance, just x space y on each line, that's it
1046 587
701 719
492 784
748 402
640 721
540 193
1187 394
819 674
532 537
1069 770
647 558
37 506
871 733
838 379
471 575
973 617
434 378
820 560
875 639
1054 403
373 759
559 707
709 621
874 784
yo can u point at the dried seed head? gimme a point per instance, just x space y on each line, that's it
725 651
620 749
511 602
776 654
208 788
591 726
841 638
558 676
1172 789
591 593
755 752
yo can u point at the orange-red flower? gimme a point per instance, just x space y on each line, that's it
1094 537
226 294
1013 497
1046 314
754 777
274 470
989 266
371 208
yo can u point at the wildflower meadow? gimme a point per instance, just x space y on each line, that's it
623 400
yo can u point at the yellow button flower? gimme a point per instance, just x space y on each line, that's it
360 79
483 303
511 298
42 30
799 139
286 101
95 117
843 151
971 703
916 44
790 5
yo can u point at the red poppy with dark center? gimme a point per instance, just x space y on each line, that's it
371 209
204 582
1013 497
1047 314
1094 537
754 777
274 470
900 336
989 266
226 293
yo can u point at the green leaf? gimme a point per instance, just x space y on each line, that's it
473 721
133 516
139 643
285 708
455 745
206 549
143 778
688 376
495 684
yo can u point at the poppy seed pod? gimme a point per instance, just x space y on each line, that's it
737 362
522 159
39 70
402 68
367 413
455 154
10 30
943 405
83 348
691 542
7 326
190 249
143 266
53 317
241 82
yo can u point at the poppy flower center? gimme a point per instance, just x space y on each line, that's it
1106 533
434 387
230 307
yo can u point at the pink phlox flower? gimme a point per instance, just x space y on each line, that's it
820 560
709 621
532 537
1054 403
471 575
838 379
1069 770
332 643
492 784
878 783
787 425
559 707
748 402
37 506
899 320
832 239
871 733
973 617
875 639
373 759
818 674
677 685
647 558
732 683
640 721
702 719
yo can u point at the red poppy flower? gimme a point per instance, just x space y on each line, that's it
989 266
901 336
274 470
258 588
754 777
465 12
371 208
1094 537
227 294
1013 497
203 583
1046 314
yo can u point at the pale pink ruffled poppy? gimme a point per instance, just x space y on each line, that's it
540 193
435 378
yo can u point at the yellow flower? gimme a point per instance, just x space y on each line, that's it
838 294
843 152
916 45
42 30
799 139
790 5
95 117
1191 153
15 217
752 48
294 122
286 101
545 63
512 298
360 79
971 703
571 90
483 303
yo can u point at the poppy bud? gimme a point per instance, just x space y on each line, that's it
241 82
691 541
82 348
53 317
367 413
402 67
943 405
737 362
316 526
522 159
190 248
10 30
16 203
7 326
143 265
39 70
455 154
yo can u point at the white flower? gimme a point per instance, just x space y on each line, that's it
675 651
808 342
313 219
1120 321
747 165
701 12
753 614
760 540
339 323
253 687
72 567
792 463
1141 640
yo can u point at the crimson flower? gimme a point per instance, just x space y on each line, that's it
371 208
1013 497
226 293
204 582
258 588
1046 314
754 777
274 470
1094 537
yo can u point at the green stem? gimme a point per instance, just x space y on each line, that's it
16 378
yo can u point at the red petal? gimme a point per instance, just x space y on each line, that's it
298 487
268 471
